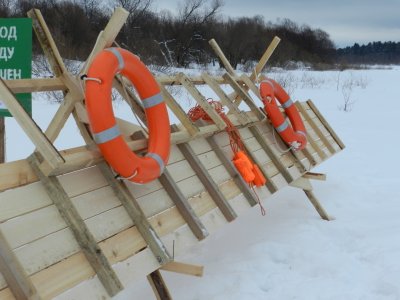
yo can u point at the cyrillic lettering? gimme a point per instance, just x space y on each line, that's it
3 32
10 52
12 34
3 53
9 74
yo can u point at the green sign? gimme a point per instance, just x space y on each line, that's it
16 56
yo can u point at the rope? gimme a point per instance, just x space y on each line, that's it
262 209
118 176
124 88
235 140
85 78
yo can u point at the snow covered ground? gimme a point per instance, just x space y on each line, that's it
291 253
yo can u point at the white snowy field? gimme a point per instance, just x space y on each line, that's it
291 253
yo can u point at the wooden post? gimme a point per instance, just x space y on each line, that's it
158 285
2 140
82 234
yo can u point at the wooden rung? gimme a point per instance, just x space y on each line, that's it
179 112
225 99
264 59
47 42
181 203
315 176
81 232
222 56
183 206
137 216
233 172
183 268
14 274
242 94
158 285
35 85
314 126
206 180
326 124
202 101
274 158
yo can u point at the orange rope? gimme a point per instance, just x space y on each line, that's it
235 140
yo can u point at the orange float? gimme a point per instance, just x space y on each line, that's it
293 134
105 130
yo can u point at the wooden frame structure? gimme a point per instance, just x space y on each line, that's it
65 219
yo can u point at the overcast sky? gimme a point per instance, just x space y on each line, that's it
346 21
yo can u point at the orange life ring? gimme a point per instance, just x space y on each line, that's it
294 134
106 133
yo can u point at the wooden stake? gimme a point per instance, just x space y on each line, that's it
158 285
317 205
2 140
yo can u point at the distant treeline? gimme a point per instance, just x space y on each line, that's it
372 53
181 37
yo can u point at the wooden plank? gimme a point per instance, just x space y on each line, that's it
197 80
315 127
225 99
251 85
222 56
158 285
202 101
31 129
302 183
315 176
183 268
206 180
15 276
179 112
47 42
136 214
233 172
326 124
92 251
243 94
264 59
108 35
275 159
32 85
19 172
183 206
